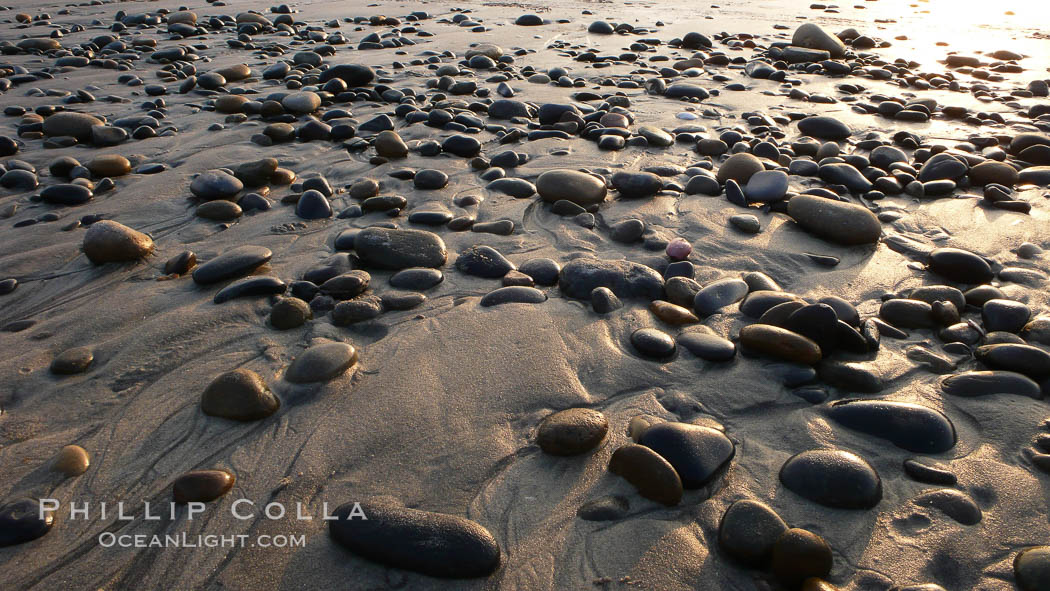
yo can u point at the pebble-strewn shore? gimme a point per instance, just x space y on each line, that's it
558 299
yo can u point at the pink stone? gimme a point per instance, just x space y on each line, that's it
678 249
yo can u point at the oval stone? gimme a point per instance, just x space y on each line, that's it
241 395
780 343
321 363
395 249
649 472
836 221
571 185
434 544
572 431
833 478
697 453
202 486
20 522
231 264
908 426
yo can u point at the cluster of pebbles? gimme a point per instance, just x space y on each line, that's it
831 181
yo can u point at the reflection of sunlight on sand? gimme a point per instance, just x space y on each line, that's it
969 26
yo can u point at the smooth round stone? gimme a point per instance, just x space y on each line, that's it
799 555
515 294
20 521
230 104
1005 315
241 395
71 460
671 313
702 184
396 249
215 184
836 221
940 293
748 531
681 290
686 90
356 310
72 361
108 135
67 194
483 261
109 165
429 179
719 294
626 279
542 270
767 186
636 184
402 301
220 210
760 301
740 168
942 167
313 205
656 136
825 128
885 156
991 171
1032 568
603 300
780 343
1026 359
231 264
301 102
678 249
909 426
571 432
434 544
464 146
984 383
907 313
627 231
708 347
69 123
416 278
518 188
201 486
571 185
250 286
19 180
653 343
389 144
929 473
953 503
841 173
107 241
609 508
697 453
649 472
321 363
1038 330
960 265
601 28
290 313
354 75
181 263
833 478
528 20
813 36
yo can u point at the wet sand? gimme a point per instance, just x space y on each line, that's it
442 407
